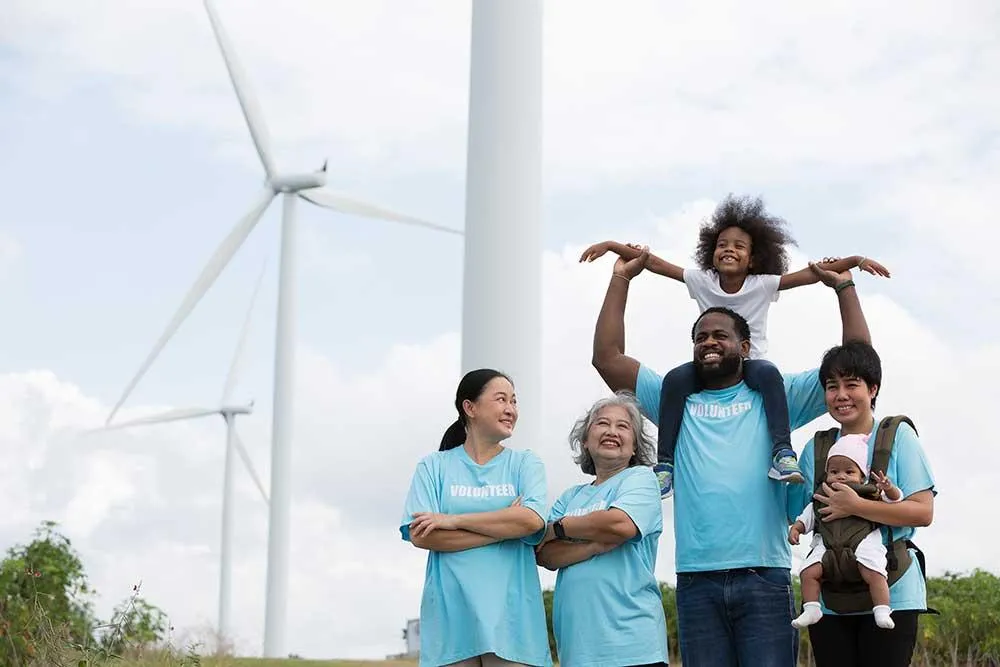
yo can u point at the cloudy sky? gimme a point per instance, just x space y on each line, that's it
871 129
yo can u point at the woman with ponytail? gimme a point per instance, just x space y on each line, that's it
477 507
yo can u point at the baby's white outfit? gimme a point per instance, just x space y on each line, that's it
870 552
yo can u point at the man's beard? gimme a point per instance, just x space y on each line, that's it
727 367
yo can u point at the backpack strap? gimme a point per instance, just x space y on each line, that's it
885 437
822 442
923 571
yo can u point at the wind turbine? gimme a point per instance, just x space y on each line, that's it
293 186
503 248
234 445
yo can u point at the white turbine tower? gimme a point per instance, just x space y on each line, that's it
234 446
501 316
309 186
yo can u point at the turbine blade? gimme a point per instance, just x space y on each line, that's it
248 102
234 367
168 416
215 265
331 200
246 461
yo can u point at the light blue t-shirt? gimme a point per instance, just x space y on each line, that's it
608 610
910 471
487 599
727 512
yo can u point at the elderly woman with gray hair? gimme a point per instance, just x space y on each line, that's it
602 538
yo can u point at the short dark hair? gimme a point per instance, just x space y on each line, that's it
739 322
768 236
853 359
470 388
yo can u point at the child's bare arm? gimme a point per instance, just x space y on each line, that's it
795 531
806 276
629 251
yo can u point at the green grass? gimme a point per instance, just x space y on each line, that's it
272 662
159 661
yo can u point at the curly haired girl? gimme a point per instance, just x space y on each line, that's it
742 264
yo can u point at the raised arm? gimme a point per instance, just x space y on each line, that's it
616 369
630 251
807 276
852 318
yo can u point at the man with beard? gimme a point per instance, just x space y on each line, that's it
734 595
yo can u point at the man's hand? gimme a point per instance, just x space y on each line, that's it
632 267
794 532
828 277
840 500
640 248
425 523
595 251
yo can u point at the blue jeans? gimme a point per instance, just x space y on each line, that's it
758 374
737 618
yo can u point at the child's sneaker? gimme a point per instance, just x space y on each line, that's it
785 468
665 476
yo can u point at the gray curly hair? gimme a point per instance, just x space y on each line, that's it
645 449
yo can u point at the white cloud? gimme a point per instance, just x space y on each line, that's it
101 488
950 206
369 79
884 115
10 249
359 435
869 127
638 91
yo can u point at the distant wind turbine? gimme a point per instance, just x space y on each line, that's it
309 186
228 411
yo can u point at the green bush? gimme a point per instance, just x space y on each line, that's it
967 630
46 612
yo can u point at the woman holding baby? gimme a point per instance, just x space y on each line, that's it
886 634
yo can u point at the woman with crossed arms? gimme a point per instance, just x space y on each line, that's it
608 609
477 507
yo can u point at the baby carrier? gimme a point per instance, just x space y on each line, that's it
844 591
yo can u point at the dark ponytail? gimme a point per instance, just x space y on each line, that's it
469 389
453 437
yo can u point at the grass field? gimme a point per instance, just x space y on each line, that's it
267 662
272 662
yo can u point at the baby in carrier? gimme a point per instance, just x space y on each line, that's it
846 463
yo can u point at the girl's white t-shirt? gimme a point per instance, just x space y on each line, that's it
753 300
